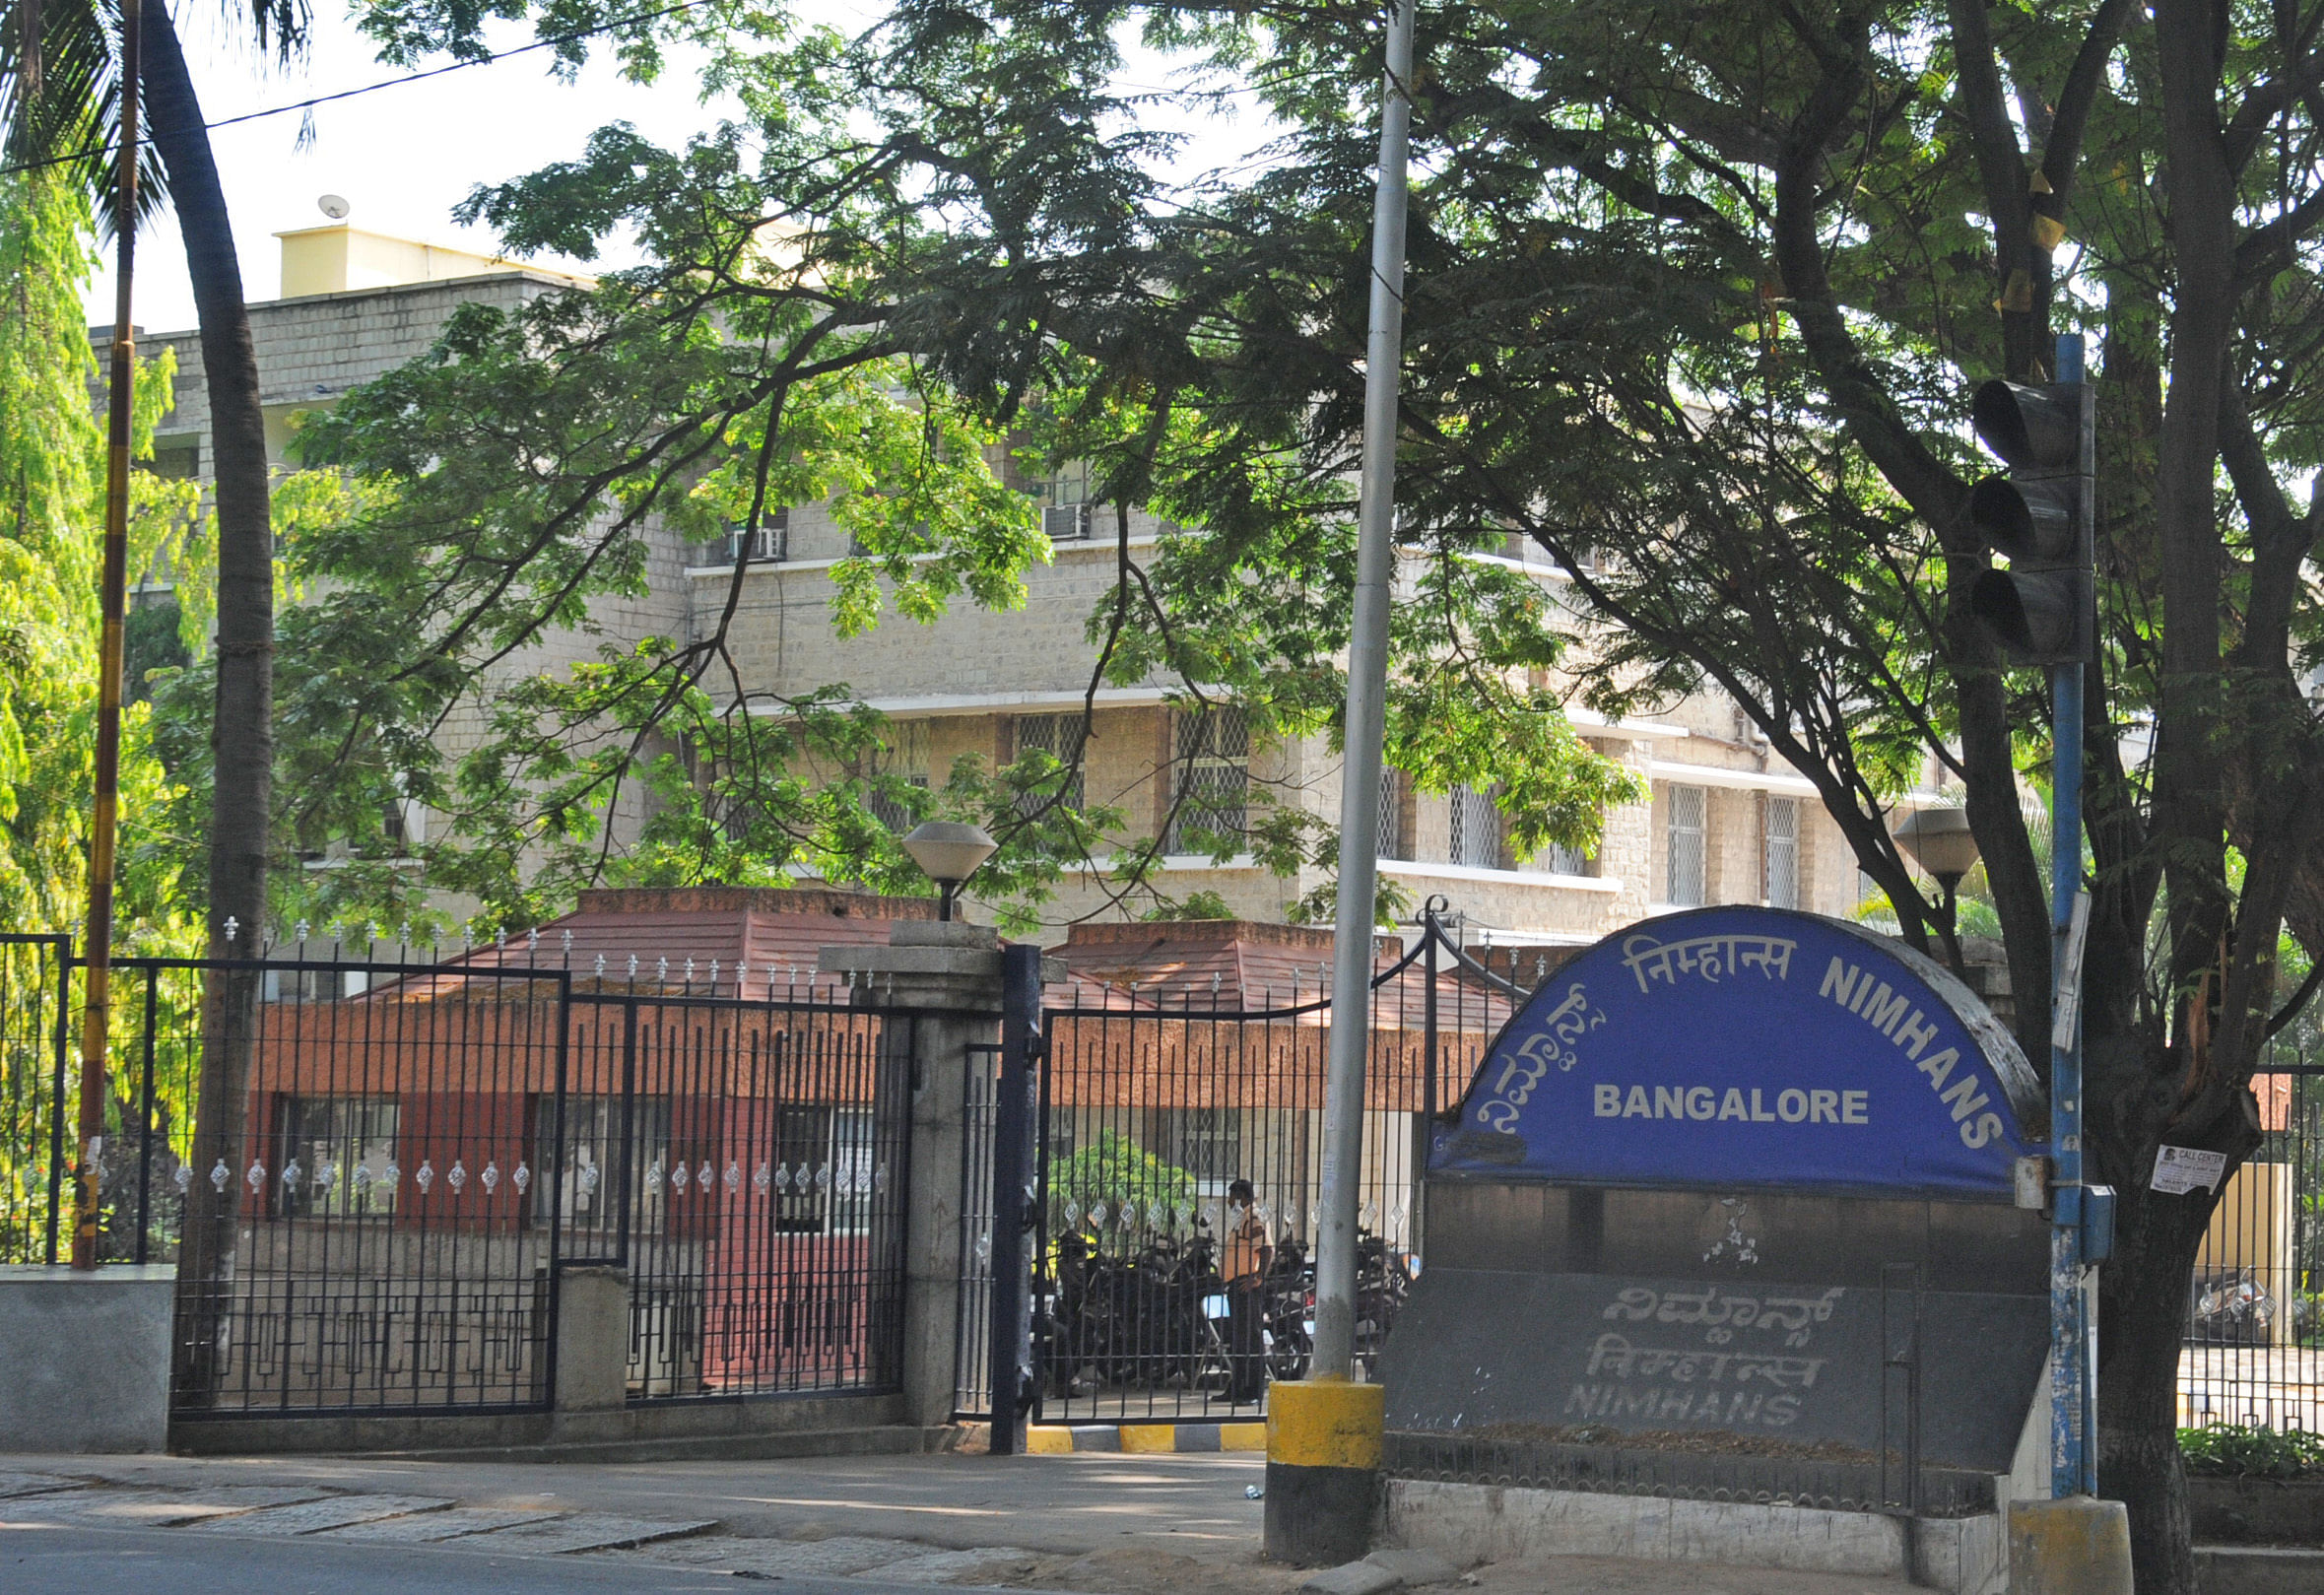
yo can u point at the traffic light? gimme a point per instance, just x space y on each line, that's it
2037 517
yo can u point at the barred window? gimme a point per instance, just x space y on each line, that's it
1207 1142
1393 841
1060 736
1564 860
904 756
1783 852
1684 836
1211 792
1475 838
596 1130
823 1177
335 1156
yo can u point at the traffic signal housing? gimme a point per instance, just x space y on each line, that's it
2038 516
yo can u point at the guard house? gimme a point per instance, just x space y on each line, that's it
1726 1264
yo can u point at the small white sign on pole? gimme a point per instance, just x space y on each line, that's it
2179 1169
2068 1009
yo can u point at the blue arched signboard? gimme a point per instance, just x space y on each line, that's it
1733 1048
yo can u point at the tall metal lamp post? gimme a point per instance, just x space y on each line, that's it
948 853
1940 841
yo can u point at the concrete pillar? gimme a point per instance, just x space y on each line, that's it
947 977
592 1352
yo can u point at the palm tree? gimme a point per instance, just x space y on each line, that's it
60 98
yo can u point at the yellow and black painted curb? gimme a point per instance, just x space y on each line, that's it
1051 1440
1324 1439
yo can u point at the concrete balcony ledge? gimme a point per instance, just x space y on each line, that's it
84 1358
1540 880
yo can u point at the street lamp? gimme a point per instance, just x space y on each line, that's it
947 852
1940 841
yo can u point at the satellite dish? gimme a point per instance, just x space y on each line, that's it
334 207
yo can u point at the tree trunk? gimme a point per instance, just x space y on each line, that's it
2142 1327
242 733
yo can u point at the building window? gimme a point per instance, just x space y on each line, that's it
1684 836
823 1177
1475 830
1061 737
1564 860
1207 1142
1065 503
904 758
1211 793
176 460
335 1158
1783 852
596 1127
1393 841
769 544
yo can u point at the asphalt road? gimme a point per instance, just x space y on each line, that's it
78 1560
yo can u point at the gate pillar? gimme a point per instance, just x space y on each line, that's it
947 976
593 1351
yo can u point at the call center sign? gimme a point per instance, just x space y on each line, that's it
1737 1048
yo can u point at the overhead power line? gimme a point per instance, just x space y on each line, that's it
107 146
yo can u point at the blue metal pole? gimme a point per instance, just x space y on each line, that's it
2073 1408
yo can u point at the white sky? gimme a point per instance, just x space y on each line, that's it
403 157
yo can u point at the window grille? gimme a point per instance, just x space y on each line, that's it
1476 828
905 755
1209 1144
1683 883
1211 792
769 542
1393 841
1783 852
894 812
1060 736
1564 860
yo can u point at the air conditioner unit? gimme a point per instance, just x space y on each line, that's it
1066 523
768 542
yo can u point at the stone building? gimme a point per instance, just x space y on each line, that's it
1726 823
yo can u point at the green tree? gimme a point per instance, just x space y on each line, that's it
1695 296
847 297
62 107
52 459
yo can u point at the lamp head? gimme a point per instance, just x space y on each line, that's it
1939 840
948 854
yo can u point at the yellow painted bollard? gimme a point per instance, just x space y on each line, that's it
1323 1470
2074 1546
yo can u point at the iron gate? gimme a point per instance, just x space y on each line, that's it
1150 1109
425 1142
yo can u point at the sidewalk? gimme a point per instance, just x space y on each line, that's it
1118 1524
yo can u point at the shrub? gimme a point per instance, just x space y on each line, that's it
2239 1451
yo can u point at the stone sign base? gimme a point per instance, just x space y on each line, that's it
1963 1555
84 1358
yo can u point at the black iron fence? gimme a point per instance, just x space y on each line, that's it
2254 1350
1158 1294
426 1141
747 1160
